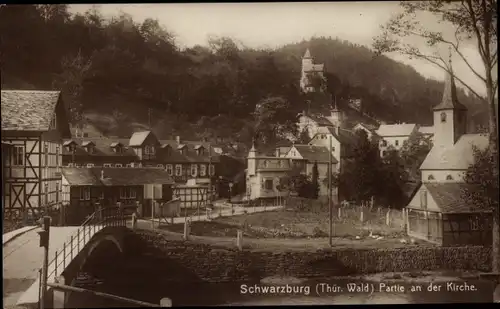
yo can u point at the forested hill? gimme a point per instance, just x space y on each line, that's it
114 71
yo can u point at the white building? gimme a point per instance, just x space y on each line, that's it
394 135
309 69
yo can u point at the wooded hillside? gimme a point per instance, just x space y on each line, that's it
121 68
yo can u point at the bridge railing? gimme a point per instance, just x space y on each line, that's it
104 217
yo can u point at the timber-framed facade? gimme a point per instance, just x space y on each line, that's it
34 123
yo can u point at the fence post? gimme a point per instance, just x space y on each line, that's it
165 302
55 265
339 210
72 247
186 230
239 240
361 214
388 217
134 221
59 295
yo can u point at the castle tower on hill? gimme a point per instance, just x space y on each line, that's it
311 73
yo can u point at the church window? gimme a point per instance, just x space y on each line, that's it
443 117
430 177
449 177
384 143
396 142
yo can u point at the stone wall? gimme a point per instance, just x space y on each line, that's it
209 263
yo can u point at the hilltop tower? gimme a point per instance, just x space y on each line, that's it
309 69
450 116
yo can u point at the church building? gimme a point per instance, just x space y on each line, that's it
437 212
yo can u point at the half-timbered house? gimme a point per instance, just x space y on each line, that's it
35 123
84 189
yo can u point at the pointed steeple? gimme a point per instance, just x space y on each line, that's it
253 146
335 108
450 100
307 54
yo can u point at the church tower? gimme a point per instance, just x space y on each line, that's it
251 161
450 116
336 116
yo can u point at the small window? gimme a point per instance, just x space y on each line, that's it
396 143
474 223
194 170
211 169
18 155
77 165
178 170
384 143
423 199
53 123
170 170
430 177
268 184
127 193
128 165
118 165
84 194
159 165
203 170
90 164
107 165
90 149
449 177
383 153
443 117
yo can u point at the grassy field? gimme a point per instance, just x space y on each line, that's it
290 230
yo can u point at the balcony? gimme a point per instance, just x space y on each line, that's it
273 164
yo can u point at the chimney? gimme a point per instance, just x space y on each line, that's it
102 174
178 139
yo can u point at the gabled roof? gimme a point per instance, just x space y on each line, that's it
370 127
314 153
389 130
448 197
138 138
69 142
426 130
307 54
80 176
457 157
102 147
198 147
28 110
115 144
319 120
87 143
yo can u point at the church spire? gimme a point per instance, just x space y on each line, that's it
450 99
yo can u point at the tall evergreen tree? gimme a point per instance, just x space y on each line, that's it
315 181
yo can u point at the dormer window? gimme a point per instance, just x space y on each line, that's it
182 149
116 147
89 146
167 149
443 117
70 145
200 150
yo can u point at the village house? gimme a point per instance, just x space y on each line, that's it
437 211
34 124
393 136
264 175
86 189
305 156
371 130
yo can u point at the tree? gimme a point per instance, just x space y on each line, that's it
359 178
391 180
297 182
315 181
304 137
413 153
274 120
474 21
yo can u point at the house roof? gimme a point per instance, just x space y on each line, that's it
345 137
448 197
28 110
458 157
370 127
103 147
315 153
80 176
190 153
138 138
319 120
116 176
426 130
450 99
387 130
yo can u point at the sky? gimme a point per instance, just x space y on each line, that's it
276 24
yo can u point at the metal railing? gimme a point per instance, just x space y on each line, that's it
104 217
